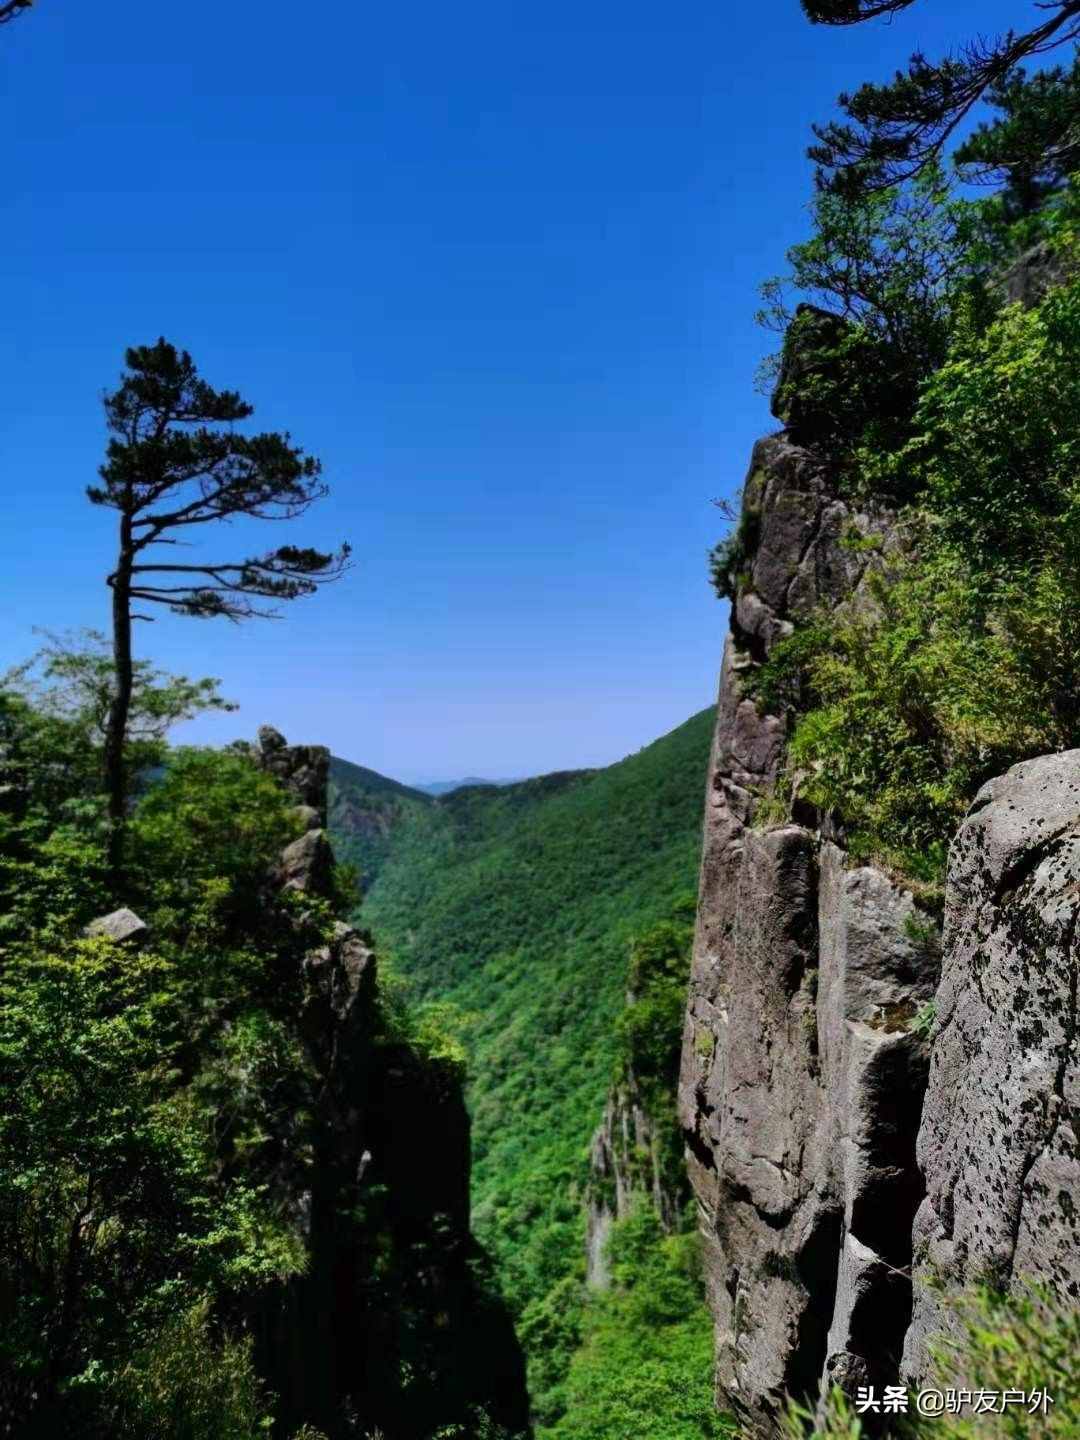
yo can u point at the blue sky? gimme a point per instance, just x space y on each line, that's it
495 264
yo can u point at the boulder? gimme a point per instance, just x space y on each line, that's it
308 864
123 926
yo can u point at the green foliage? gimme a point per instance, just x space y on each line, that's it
644 1366
895 130
923 1022
176 458
1033 144
996 440
208 833
150 1093
729 559
840 1421
649 1030
71 679
365 809
53 830
189 1384
895 264
1028 1341
654 1274
108 1184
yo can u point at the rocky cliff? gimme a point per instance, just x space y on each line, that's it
832 1142
391 1325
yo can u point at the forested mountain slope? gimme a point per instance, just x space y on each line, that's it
365 808
518 905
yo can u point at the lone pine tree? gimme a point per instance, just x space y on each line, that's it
175 461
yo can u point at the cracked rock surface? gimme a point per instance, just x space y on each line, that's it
999 1144
801 1076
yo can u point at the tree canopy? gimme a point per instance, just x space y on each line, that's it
893 130
1032 145
175 460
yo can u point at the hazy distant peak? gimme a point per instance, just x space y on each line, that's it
444 787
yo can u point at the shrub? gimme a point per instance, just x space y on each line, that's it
214 823
189 1384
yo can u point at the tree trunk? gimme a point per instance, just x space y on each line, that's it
116 731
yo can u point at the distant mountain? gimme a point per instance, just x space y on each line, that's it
445 787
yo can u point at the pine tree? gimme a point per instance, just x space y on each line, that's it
175 461
1033 145
898 128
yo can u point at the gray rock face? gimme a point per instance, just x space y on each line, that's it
340 994
801 1075
361 1183
1032 274
123 926
1000 1143
307 864
835 1151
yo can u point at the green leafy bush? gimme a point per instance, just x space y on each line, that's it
189 1383
213 824
894 263
109 1189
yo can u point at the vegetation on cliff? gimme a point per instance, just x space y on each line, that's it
123 1223
961 659
167 1111
200 1191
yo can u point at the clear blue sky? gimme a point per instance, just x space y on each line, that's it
494 263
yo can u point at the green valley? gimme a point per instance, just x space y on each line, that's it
512 910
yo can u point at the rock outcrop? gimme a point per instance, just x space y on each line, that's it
1032 274
303 769
626 1160
802 1074
378 1193
122 926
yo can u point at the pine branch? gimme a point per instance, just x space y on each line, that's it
902 127
12 9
